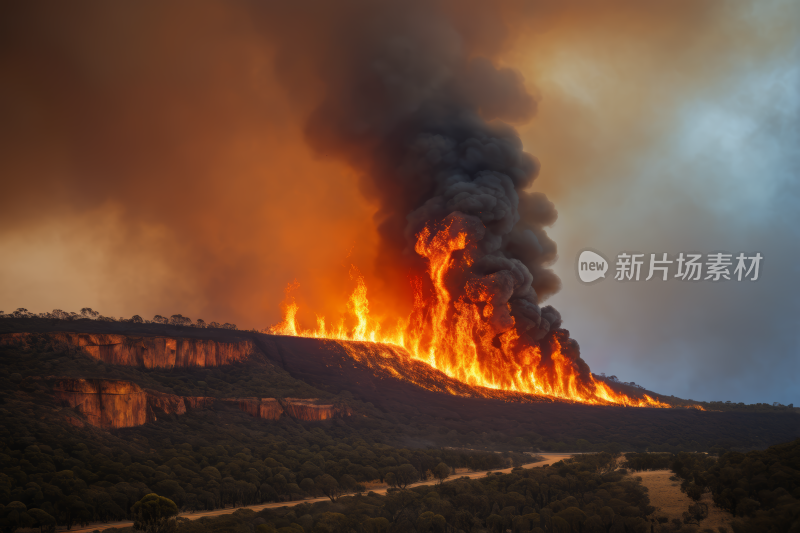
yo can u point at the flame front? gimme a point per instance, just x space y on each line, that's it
458 338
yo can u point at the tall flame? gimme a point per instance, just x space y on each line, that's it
457 338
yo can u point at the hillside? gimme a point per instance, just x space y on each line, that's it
412 408
96 415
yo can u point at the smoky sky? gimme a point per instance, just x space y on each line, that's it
196 157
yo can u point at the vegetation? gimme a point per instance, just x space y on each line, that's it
154 514
582 495
761 488
87 313
52 472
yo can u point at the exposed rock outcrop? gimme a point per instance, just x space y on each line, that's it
171 404
305 409
266 408
104 403
199 402
151 352
297 408
13 338
120 404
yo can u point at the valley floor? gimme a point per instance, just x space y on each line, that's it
549 458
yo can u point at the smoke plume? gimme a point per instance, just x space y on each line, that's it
424 117
193 157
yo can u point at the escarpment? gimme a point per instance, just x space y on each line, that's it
300 409
104 403
266 408
312 410
120 404
151 352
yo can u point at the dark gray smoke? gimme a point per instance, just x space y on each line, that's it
411 102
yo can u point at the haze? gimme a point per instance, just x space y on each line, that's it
154 160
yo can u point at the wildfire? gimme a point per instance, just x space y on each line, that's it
458 338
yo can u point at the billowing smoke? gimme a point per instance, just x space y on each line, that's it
410 104
154 161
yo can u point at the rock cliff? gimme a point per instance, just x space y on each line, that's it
104 403
168 403
198 402
120 404
297 408
266 408
309 409
151 352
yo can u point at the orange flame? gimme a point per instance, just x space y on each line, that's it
458 338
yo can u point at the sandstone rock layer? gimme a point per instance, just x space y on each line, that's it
298 408
104 403
303 409
266 408
120 404
151 352
110 404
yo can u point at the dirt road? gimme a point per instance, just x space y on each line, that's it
549 458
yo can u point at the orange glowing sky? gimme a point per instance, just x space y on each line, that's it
154 160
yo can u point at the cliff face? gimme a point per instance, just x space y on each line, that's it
120 404
169 403
104 403
151 352
198 402
311 410
266 408
299 409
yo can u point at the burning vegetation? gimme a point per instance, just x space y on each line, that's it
454 338
425 123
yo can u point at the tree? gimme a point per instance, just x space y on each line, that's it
574 517
87 312
180 320
228 325
42 520
200 323
560 525
405 475
348 483
154 514
692 490
307 484
441 472
158 319
331 523
429 522
136 319
696 513
14 516
59 314
328 486
375 525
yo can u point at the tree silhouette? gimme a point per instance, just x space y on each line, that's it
406 475
154 514
328 486
441 472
